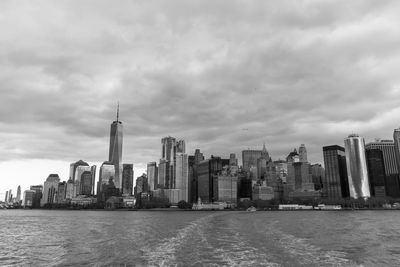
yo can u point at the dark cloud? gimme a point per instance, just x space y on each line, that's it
225 76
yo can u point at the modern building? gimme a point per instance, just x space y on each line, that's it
335 184
127 179
61 193
107 173
164 174
38 195
18 197
29 196
86 186
233 161
207 171
93 170
357 171
389 159
193 174
74 166
6 198
262 192
303 153
115 150
141 185
152 175
79 171
318 176
227 185
70 190
250 157
182 176
50 190
396 138
376 172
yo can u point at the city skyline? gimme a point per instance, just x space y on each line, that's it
223 81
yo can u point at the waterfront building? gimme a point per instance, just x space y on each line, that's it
10 196
107 172
38 195
357 171
318 176
6 198
396 138
18 197
389 159
93 170
261 168
262 192
78 179
281 169
70 190
245 186
50 189
168 154
28 198
227 184
336 183
376 172
115 150
152 175
141 185
182 176
86 183
74 166
302 153
193 174
207 170
163 174
127 179
61 193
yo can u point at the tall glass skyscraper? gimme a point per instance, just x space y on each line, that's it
396 138
336 183
115 151
357 171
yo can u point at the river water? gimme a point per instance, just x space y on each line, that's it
185 238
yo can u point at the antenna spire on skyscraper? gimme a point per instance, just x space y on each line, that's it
118 111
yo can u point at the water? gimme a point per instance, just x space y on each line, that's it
185 238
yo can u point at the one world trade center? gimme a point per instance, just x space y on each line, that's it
115 152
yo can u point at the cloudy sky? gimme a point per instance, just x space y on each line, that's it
223 75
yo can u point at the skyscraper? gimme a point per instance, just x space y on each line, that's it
152 175
357 171
302 153
50 190
6 198
376 172
336 183
115 150
389 160
74 166
396 138
182 176
127 179
18 198
250 157
93 172
107 172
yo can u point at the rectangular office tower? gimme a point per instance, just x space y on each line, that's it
376 172
357 171
389 160
336 182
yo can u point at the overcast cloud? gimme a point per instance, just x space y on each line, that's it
223 75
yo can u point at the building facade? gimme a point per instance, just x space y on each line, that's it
335 184
127 179
115 149
50 190
376 172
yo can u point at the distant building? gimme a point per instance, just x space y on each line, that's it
50 190
29 196
206 171
396 138
303 153
336 183
107 172
115 150
70 190
227 185
78 180
6 198
233 161
357 171
61 194
141 185
152 175
86 183
318 176
38 195
18 198
127 179
391 170
164 174
263 192
194 162
376 172
182 176
250 157
74 166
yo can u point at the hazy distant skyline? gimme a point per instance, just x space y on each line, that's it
224 76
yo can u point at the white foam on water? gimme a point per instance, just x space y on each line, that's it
307 254
164 254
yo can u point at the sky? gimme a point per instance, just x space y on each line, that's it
222 75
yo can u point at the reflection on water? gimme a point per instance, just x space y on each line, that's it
179 238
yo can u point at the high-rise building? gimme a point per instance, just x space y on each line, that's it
79 171
115 150
70 190
62 191
38 195
50 190
396 138
29 196
180 146
318 176
86 186
391 170
10 196
107 173
152 175
336 183
357 171
74 166
376 172
6 198
18 198
207 173
227 185
182 176
141 185
127 179
302 153
249 158
93 170
193 174
164 174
